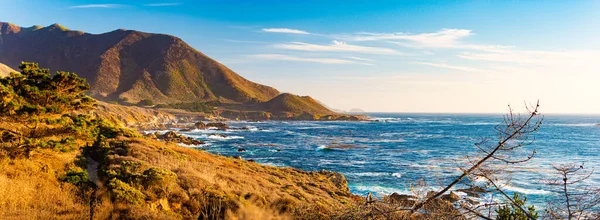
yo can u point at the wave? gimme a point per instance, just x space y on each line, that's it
388 141
526 191
575 124
375 174
479 123
220 137
379 191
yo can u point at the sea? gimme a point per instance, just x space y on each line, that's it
399 152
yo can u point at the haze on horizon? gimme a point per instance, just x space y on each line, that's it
389 56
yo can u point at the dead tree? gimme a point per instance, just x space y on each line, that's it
580 200
509 148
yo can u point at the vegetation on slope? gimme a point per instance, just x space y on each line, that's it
296 104
58 161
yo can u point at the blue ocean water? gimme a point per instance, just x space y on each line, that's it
391 154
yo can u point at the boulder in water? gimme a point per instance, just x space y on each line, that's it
218 125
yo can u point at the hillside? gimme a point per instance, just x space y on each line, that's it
129 65
5 70
295 104
62 157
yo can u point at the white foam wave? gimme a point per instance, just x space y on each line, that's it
526 191
388 141
379 190
575 124
219 137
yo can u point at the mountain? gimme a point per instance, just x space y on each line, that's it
5 70
295 104
130 65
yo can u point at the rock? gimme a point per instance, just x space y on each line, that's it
452 197
403 200
251 160
473 191
431 193
199 125
241 150
218 125
219 135
171 136
338 179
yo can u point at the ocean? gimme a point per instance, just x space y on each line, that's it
396 151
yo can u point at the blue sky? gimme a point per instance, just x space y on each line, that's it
396 56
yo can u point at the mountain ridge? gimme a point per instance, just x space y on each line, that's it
125 64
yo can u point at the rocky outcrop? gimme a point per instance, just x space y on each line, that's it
171 136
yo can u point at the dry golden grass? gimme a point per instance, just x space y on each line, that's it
247 189
31 189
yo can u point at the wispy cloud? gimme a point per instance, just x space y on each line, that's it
453 67
97 6
163 4
360 58
305 59
336 46
445 38
284 30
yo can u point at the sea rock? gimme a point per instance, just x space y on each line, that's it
241 150
474 191
171 136
199 125
399 199
452 197
218 125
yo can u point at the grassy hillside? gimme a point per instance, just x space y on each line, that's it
295 104
61 157
130 65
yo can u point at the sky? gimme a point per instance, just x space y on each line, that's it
379 56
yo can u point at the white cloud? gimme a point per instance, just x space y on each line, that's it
444 38
336 46
453 67
284 30
305 59
360 58
97 6
163 4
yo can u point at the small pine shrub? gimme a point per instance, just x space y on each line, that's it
123 192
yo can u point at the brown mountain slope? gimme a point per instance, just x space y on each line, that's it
129 64
5 70
295 104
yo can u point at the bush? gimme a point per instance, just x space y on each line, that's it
512 212
76 176
123 192
145 102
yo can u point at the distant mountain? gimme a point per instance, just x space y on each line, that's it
289 103
356 110
131 65
5 70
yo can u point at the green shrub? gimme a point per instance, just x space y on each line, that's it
145 102
512 212
123 192
76 176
